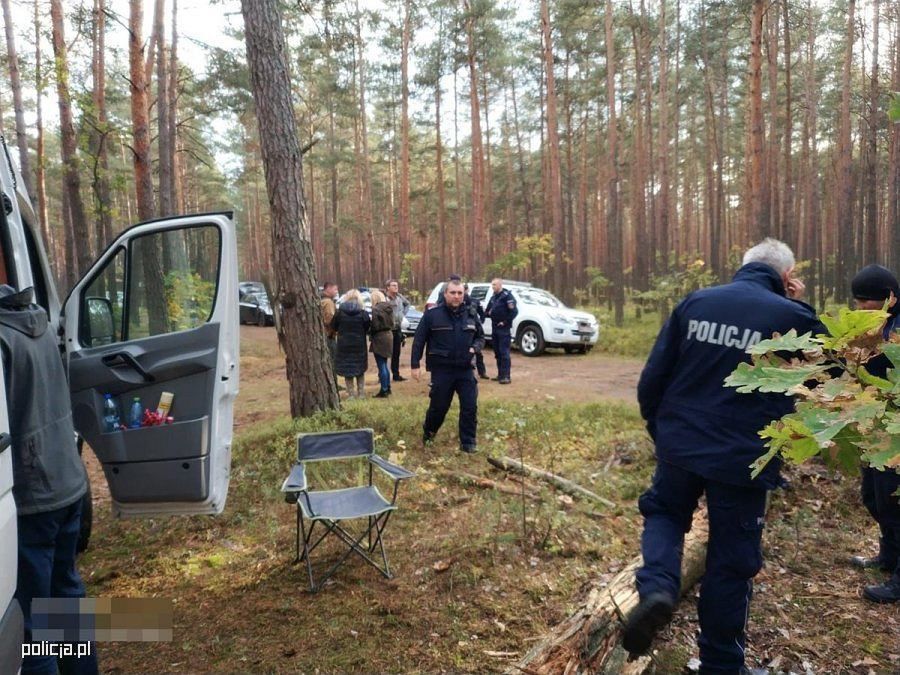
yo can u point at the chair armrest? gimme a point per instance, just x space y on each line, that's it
296 481
392 470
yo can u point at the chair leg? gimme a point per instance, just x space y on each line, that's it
297 555
306 549
380 540
374 533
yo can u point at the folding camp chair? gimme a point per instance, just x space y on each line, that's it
331 507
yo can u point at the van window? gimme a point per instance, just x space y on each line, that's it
172 277
104 295
164 282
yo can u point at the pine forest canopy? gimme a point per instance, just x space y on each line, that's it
560 141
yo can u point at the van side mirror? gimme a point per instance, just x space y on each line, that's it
100 324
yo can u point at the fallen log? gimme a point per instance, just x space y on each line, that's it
487 483
564 484
589 640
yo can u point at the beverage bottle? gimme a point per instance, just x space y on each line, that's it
137 413
110 414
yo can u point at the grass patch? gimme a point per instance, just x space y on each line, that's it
633 339
469 576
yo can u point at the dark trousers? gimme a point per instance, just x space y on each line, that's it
501 339
395 354
479 363
47 570
878 496
332 352
733 556
443 385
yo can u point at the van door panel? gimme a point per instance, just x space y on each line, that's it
170 288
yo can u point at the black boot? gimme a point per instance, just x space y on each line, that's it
887 592
645 621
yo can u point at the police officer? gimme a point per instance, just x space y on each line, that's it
872 287
501 310
475 309
706 438
453 336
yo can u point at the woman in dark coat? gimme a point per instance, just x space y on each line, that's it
382 340
351 322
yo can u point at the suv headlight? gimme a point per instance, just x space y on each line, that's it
561 318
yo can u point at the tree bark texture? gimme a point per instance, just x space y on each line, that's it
613 215
588 640
164 129
15 82
475 238
40 173
757 223
301 334
69 144
554 179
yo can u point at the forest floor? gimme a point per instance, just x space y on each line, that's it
479 573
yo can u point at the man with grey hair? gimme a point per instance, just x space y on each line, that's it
706 438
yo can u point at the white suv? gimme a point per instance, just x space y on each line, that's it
166 324
543 320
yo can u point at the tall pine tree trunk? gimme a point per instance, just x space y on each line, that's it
164 130
871 250
69 145
846 259
406 32
40 174
140 129
99 140
664 141
554 179
15 82
757 223
476 234
301 333
613 216
893 187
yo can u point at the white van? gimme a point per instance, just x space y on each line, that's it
155 313
543 320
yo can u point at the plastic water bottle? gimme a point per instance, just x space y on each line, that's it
110 414
136 415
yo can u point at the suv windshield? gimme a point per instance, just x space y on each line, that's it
535 296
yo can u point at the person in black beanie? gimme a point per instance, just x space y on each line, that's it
872 287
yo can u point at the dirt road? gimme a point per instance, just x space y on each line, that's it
552 376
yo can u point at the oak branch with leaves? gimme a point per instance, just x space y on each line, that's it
844 414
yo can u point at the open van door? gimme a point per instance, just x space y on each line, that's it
158 313
12 626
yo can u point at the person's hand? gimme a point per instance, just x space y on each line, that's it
415 373
795 288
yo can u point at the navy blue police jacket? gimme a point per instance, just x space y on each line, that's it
449 336
880 364
502 309
696 421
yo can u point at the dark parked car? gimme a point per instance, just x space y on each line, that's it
411 321
255 308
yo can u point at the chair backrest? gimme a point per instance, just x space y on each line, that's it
335 444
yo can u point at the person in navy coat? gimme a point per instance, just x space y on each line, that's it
872 287
706 438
